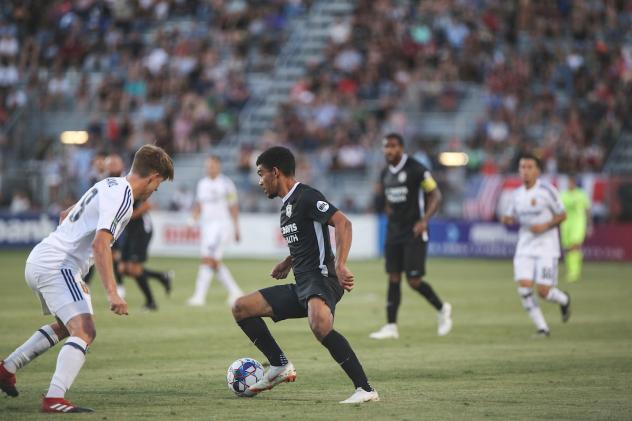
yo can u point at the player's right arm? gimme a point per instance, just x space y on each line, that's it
282 269
115 201
509 217
103 261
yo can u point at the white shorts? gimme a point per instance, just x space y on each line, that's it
61 292
542 270
213 240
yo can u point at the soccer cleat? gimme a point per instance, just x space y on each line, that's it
542 333
150 307
388 331
445 319
361 396
167 281
7 381
566 310
196 302
274 376
61 405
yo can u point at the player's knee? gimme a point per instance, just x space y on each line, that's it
395 278
320 328
543 291
239 309
415 283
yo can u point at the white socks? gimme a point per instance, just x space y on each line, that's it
41 341
531 305
69 362
203 281
557 296
225 277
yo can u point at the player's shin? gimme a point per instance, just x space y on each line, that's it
556 295
41 341
255 328
533 309
426 290
342 353
393 300
69 362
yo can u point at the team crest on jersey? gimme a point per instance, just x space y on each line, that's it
401 177
533 202
322 206
288 210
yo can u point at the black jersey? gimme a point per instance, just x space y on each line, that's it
304 217
401 190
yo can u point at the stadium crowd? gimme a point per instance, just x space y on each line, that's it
556 76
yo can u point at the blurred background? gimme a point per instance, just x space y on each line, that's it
470 84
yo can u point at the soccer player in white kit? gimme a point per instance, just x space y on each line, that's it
54 270
217 211
537 207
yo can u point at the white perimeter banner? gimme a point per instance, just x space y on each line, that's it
260 237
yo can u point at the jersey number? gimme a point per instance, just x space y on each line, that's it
81 207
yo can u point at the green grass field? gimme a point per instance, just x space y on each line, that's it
172 364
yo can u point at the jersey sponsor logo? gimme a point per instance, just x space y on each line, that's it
289 228
396 194
288 210
112 182
322 206
401 177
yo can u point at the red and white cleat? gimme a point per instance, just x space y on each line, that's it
7 381
61 405
275 375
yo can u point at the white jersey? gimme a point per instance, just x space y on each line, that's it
105 206
536 205
216 196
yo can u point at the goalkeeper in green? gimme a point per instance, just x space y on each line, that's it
573 229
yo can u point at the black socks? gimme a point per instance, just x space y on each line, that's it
394 298
342 353
255 328
144 287
426 290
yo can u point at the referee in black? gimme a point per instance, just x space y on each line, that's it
321 277
407 232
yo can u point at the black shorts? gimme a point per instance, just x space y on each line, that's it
289 301
134 247
408 257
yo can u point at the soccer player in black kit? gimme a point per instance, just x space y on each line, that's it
407 232
321 277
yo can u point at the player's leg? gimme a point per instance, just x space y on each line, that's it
70 360
208 265
135 270
415 268
41 341
68 298
278 302
164 278
321 322
524 273
223 274
546 281
394 265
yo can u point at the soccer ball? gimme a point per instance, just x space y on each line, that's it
242 374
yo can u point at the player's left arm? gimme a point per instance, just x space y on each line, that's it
63 214
344 234
142 209
559 213
432 202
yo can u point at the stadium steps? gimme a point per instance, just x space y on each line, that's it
619 160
